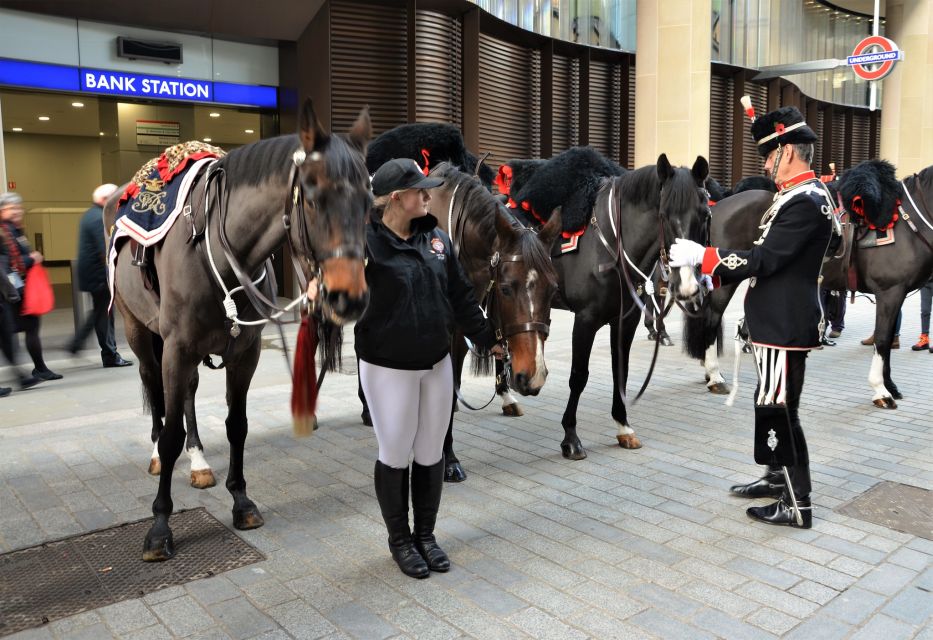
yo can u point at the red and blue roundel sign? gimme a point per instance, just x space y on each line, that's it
874 58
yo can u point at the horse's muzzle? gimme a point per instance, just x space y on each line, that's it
341 307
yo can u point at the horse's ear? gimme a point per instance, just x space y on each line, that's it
665 170
700 170
362 131
550 231
504 228
310 130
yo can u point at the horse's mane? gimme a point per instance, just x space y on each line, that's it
641 186
257 162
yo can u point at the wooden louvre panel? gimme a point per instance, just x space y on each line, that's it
721 108
839 140
818 165
861 123
509 101
752 163
877 141
630 143
565 104
438 63
369 66
605 124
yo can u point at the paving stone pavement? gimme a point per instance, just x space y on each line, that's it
624 544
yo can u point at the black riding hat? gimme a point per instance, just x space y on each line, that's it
401 174
781 126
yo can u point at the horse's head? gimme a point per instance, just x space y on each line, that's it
684 214
524 284
337 197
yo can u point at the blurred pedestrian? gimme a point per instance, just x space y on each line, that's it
19 258
92 278
926 302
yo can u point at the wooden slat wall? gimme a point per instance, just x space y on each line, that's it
818 165
565 104
752 164
605 116
630 143
438 64
720 143
861 124
839 130
368 65
509 104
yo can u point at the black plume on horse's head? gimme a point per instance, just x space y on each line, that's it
514 174
871 189
749 183
716 192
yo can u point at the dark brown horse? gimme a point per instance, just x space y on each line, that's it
311 190
888 272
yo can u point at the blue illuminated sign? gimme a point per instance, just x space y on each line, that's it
36 75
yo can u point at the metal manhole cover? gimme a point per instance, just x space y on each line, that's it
896 506
59 579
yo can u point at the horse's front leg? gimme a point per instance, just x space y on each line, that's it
176 371
879 376
584 331
510 406
201 475
453 471
626 435
239 374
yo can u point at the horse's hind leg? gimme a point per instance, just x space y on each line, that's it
177 368
239 374
201 475
584 331
147 347
879 376
626 435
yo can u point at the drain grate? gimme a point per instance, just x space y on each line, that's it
59 579
896 506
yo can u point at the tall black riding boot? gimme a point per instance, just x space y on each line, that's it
392 493
426 483
771 485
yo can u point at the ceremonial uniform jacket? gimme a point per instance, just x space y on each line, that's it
782 306
417 293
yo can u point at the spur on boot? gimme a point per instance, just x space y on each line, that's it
782 513
426 485
392 493
771 485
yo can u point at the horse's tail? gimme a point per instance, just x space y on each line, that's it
701 331
330 341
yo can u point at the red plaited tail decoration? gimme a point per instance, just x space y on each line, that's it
504 181
427 160
304 379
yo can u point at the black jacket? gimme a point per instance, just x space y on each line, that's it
92 270
782 306
418 292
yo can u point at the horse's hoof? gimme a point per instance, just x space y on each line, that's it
247 519
666 340
203 479
885 403
629 441
158 549
453 472
720 389
512 410
367 420
572 450
155 466
897 395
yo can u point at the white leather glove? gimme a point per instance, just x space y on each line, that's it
707 282
686 253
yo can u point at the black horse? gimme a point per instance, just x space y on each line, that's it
311 190
888 271
639 212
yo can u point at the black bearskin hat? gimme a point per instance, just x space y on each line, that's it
781 126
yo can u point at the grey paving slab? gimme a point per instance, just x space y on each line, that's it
625 544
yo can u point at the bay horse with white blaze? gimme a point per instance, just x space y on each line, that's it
311 190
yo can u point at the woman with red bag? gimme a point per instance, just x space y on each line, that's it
21 259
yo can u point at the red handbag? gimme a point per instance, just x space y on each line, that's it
38 297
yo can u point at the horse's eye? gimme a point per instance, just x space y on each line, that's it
506 290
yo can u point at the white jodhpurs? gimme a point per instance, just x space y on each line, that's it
410 411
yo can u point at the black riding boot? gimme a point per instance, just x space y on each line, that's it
771 485
426 483
392 493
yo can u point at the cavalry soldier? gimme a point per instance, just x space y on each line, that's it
782 309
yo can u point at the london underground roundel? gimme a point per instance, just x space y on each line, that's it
874 58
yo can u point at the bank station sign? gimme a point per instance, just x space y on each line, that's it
21 73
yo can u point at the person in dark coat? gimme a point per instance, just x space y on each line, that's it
418 293
21 258
92 278
783 315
